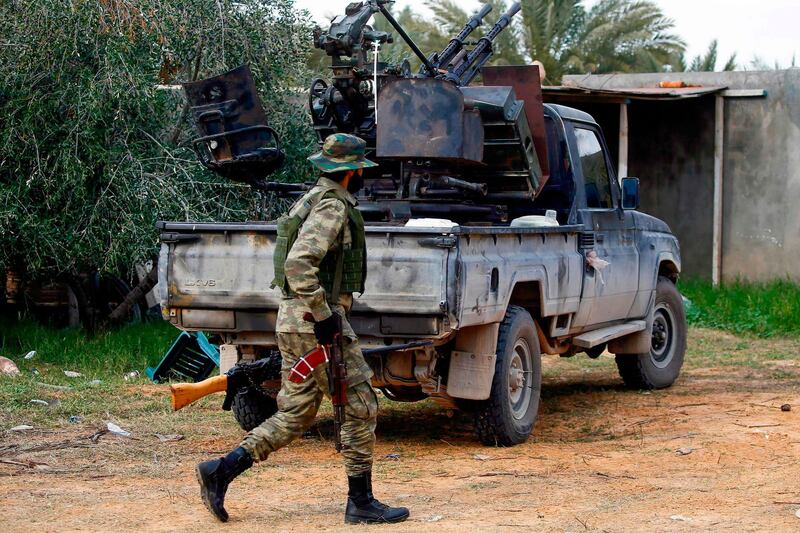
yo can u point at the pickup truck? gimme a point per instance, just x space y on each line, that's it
461 314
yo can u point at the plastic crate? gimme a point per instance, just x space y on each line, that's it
190 358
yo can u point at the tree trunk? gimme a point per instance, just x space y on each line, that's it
145 285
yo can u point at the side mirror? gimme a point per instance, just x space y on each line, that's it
630 193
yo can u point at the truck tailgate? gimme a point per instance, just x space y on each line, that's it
229 266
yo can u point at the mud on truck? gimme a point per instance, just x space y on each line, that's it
497 231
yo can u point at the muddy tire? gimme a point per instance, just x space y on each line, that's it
508 416
251 407
659 367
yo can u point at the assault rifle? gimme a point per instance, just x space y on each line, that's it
241 375
255 373
337 378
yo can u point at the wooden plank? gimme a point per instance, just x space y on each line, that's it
599 336
719 152
622 162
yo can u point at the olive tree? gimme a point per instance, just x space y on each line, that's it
94 138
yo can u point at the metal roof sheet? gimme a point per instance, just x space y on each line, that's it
635 93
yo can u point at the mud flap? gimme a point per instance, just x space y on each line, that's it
470 375
472 363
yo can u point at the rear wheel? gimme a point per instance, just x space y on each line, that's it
659 367
508 416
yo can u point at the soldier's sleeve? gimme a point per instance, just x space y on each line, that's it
317 235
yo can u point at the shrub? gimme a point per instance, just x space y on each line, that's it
93 153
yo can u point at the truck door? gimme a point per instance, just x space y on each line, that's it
608 293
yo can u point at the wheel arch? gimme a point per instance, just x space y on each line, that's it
668 268
481 339
530 295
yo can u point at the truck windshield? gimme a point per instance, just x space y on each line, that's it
595 171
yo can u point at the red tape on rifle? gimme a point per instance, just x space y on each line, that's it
303 368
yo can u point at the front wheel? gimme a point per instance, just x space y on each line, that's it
659 367
508 416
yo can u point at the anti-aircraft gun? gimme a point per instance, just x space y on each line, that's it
444 147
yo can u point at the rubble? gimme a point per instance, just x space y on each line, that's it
8 367
116 430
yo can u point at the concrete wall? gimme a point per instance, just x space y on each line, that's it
677 178
671 149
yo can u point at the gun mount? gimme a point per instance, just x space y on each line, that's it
444 147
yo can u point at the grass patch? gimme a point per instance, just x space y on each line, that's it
762 309
104 354
105 357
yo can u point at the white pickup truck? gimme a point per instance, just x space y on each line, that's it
487 299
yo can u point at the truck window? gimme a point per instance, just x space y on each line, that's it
595 171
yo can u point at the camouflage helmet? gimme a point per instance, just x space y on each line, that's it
342 151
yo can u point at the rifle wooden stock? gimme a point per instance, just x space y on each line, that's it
185 393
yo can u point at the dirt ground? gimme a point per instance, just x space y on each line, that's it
713 453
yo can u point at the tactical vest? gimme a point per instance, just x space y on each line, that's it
341 270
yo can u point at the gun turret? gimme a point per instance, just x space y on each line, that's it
466 71
442 146
443 60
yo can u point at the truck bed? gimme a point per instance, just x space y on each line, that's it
420 281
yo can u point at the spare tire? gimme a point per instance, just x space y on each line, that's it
252 406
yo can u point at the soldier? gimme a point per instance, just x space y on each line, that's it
320 261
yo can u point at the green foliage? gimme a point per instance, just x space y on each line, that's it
625 36
759 63
761 309
552 32
611 36
92 153
706 62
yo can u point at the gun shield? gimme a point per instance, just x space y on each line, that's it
235 140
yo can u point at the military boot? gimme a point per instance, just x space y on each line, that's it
363 508
215 476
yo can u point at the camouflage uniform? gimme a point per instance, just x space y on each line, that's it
320 255
298 403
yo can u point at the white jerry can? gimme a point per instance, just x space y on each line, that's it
536 221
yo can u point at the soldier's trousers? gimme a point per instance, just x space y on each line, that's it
298 404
